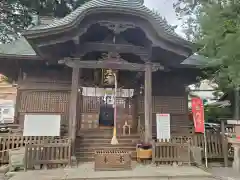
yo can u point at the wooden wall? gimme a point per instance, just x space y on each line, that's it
39 94
175 106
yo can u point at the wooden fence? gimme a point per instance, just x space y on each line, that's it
171 150
17 141
167 152
50 155
214 144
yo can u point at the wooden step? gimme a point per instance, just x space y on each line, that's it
80 154
87 144
107 141
108 136
85 159
98 139
92 149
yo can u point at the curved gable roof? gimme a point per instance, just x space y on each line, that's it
134 7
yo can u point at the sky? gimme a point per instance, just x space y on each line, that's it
165 8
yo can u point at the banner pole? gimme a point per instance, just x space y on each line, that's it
205 138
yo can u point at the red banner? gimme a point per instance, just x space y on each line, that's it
198 114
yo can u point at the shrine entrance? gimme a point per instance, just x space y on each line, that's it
106 116
106 112
97 109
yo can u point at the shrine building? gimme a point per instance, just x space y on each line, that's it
63 66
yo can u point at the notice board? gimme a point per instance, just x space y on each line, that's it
42 125
163 126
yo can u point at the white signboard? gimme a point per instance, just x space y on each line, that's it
6 111
41 125
163 126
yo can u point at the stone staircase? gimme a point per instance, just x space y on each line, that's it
98 139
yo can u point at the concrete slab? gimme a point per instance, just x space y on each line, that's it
86 171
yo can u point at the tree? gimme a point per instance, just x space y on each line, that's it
16 15
215 27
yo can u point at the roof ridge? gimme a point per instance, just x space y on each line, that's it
134 5
129 1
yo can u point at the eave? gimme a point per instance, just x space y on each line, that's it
74 19
19 57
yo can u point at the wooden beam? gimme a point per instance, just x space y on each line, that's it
110 47
148 103
73 106
120 65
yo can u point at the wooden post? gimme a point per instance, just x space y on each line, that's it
148 103
17 105
224 144
73 107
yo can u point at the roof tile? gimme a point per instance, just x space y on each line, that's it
18 47
132 5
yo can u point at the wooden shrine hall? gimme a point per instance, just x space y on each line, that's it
61 66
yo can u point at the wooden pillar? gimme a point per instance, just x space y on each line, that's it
73 106
17 106
148 103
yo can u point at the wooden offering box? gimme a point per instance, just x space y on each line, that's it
110 160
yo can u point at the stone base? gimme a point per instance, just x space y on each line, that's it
74 162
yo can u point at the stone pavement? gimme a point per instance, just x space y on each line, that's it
86 171
225 173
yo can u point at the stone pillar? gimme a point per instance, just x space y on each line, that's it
73 106
148 103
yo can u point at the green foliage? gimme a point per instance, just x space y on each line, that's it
3 78
16 15
214 113
215 27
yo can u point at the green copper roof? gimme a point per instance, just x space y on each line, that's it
19 47
134 7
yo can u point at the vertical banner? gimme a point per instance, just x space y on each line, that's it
198 115
163 126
